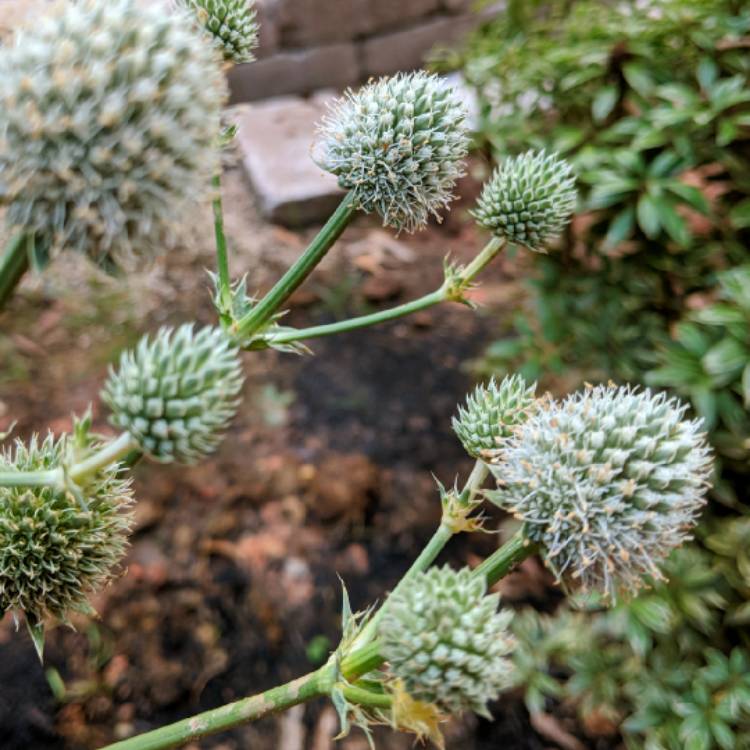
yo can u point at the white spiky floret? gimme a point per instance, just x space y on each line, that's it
398 145
176 393
443 636
56 550
231 24
492 413
529 199
609 482
109 114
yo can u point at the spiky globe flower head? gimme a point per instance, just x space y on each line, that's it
176 393
492 414
528 200
609 481
55 550
109 114
445 639
398 144
231 24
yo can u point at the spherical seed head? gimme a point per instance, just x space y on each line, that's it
109 111
609 482
177 392
443 636
528 200
398 144
231 24
492 414
54 549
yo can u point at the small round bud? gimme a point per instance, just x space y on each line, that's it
231 24
528 200
176 394
443 636
55 550
492 414
109 114
398 144
609 482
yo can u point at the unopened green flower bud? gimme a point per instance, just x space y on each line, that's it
492 414
398 144
528 200
56 549
231 24
609 482
176 393
444 638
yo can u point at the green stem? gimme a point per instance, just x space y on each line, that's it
222 256
502 561
363 697
13 265
285 287
51 478
449 290
226 717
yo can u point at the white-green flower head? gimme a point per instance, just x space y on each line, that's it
176 393
528 200
443 636
492 414
231 24
56 550
609 482
109 114
398 144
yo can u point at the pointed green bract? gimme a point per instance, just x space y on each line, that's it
443 637
398 144
176 393
54 550
608 482
109 111
492 414
231 24
528 200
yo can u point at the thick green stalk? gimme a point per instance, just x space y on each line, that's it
13 265
285 287
362 697
451 289
502 561
222 256
51 478
240 712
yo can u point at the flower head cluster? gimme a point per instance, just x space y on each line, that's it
176 393
54 549
528 200
109 111
492 414
444 638
231 24
398 144
609 482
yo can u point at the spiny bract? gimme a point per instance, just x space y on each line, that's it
443 636
492 414
176 394
109 114
609 482
398 144
54 549
528 200
231 24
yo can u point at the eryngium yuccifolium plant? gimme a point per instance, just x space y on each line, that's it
231 24
528 200
492 414
399 145
54 549
609 482
445 639
109 111
176 393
